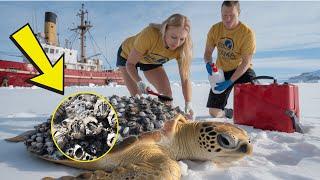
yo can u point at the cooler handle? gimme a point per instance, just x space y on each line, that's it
264 77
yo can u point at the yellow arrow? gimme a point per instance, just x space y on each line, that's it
51 77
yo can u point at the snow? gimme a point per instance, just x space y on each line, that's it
276 155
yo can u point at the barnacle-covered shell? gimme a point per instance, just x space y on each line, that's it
81 123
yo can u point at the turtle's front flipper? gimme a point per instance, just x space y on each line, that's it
20 137
90 175
158 167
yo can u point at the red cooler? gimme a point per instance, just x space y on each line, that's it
270 107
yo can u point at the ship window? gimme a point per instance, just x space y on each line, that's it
51 51
46 50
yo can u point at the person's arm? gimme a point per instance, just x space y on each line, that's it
186 87
208 54
210 45
247 51
242 68
142 43
208 58
133 58
187 93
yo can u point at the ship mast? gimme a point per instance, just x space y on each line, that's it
83 27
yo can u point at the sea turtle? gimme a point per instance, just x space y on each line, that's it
154 154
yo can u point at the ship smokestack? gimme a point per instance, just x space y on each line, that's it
50 29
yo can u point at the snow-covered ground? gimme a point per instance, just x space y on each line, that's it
276 155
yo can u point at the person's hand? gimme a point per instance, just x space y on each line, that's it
221 86
189 110
142 87
209 68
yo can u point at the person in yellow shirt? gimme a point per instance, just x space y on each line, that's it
150 49
235 43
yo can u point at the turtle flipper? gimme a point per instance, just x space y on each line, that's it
20 137
158 167
90 175
165 168
171 125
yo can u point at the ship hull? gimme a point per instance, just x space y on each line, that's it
17 74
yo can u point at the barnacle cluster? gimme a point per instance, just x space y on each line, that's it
141 114
85 126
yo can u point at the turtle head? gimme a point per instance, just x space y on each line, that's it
222 142
216 141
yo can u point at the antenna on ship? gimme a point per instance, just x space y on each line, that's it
84 28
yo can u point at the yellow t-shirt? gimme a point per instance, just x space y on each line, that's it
149 43
231 44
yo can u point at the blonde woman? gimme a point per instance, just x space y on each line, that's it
150 49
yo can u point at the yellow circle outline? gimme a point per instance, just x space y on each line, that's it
116 116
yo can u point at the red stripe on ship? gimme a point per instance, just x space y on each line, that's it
18 72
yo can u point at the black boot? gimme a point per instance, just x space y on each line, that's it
228 113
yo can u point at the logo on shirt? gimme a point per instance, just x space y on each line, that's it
228 43
155 59
225 48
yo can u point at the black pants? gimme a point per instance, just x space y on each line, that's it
219 101
121 61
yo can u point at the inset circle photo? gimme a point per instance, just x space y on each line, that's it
84 126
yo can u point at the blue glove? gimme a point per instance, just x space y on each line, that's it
209 68
223 85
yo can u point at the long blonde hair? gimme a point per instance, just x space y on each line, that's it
179 20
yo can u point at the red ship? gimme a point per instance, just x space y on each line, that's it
80 71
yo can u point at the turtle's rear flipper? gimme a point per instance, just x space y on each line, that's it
20 137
